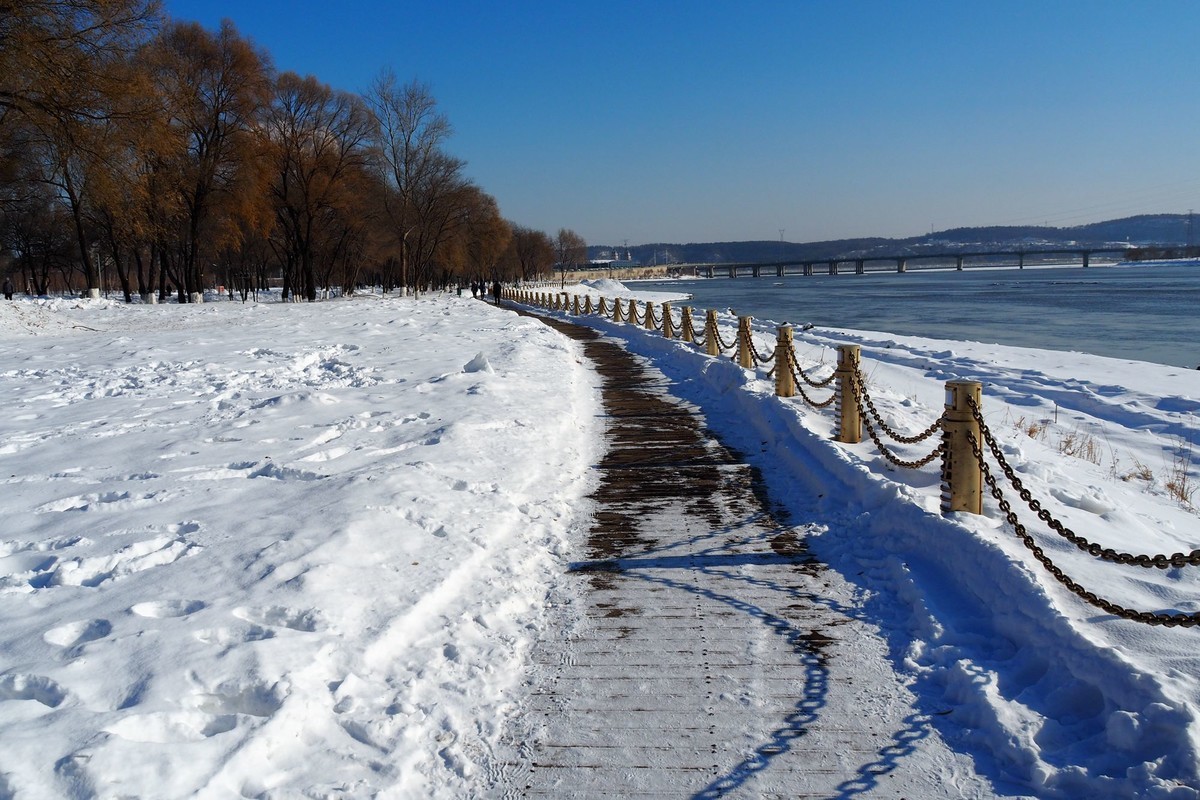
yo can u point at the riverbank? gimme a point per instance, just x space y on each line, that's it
278 548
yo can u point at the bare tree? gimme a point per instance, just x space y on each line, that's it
426 183
570 249
318 140
215 87
530 253
64 79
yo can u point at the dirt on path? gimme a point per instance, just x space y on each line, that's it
701 650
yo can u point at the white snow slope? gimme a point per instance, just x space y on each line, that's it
302 550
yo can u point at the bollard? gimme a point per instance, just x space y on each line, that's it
711 346
601 310
785 384
962 477
587 305
575 306
617 311
744 358
849 422
689 334
668 323
648 323
632 317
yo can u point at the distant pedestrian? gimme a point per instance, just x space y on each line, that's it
8 288
475 290
496 291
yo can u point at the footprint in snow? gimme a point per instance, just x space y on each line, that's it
74 635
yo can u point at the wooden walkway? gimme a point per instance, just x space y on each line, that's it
703 652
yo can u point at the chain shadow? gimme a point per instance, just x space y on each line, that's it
808 645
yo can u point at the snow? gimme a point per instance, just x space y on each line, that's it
279 550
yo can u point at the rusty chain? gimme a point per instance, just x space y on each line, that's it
758 357
720 341
686 325
821 384
803 394
1159 561
883 448
1147 617
861 396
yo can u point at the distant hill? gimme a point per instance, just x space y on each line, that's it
1147 230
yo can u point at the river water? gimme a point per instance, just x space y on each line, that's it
1146 312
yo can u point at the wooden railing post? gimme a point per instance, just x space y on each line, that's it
785 384
711 346
632 316
648 323
849 422
962 477
686 323
617 311
744 358
668 323
575 306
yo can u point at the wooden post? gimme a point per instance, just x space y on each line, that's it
602 311
711 346
849 422
962 477
744 357
685 323
785 384
575 306
632 316
668 323
648 323
617 311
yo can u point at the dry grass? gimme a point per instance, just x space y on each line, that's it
1179 483
1081 445
1138 472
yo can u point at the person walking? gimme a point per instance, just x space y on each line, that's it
496 291
8 288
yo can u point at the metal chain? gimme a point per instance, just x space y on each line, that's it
804 394
1159 561
1147 617
760 358
860 393
883 449
801 376
721 342
686 324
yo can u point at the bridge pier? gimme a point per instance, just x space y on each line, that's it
833 268
958 263
859 267
901 265
779 271
808 269
1020 261
1086 254
733 272
756 272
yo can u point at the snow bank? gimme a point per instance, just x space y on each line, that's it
1049 691
276 550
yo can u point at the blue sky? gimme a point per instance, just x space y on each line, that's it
716 121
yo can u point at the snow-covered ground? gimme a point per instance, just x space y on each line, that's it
285 550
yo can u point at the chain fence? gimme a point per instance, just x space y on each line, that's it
877 428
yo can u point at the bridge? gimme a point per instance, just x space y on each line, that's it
961 260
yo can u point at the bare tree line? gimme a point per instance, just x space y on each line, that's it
157 157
